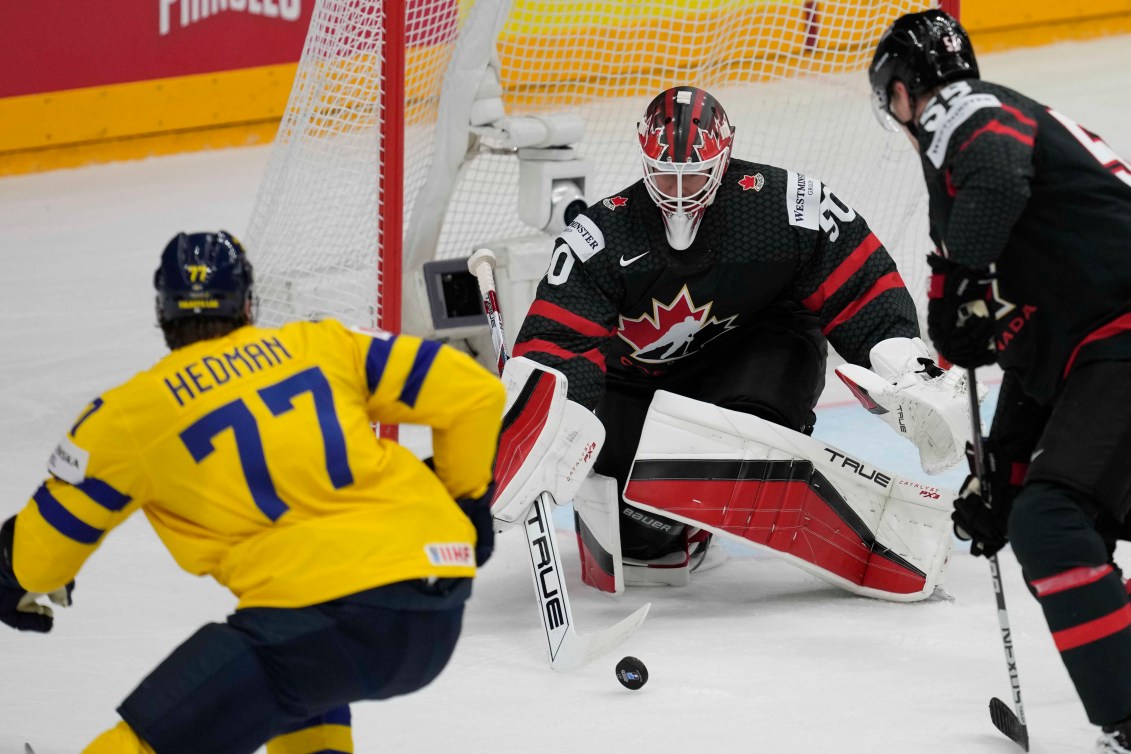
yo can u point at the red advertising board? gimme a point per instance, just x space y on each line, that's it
52 45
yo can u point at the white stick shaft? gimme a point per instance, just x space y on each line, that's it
567 648
482 266
995 571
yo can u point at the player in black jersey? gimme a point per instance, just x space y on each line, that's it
1031 214
721 280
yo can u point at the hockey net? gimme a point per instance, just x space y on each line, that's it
371 170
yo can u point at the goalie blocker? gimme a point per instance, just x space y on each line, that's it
831 514
548 443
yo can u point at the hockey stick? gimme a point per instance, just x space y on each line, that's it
568 649
1004 719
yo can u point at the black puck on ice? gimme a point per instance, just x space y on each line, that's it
631 673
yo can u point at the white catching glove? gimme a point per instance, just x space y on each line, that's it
915 397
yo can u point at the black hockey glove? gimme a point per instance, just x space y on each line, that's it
478 509
959 322
18 607
981 516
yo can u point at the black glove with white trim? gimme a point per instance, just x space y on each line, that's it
18 607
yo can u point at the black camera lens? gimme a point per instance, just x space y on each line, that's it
573 209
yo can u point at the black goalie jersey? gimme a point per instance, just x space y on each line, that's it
617 301
1017 184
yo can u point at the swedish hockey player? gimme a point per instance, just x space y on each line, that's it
716 279
1031 213
251 452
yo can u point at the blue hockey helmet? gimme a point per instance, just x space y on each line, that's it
203 275
923 50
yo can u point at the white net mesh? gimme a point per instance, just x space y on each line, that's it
789 73
315 234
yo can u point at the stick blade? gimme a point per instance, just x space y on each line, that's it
578 649
1006 721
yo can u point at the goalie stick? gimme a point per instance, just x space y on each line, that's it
1004 719
568 649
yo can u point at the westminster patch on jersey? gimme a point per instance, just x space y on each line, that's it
673 330
584 237
803 200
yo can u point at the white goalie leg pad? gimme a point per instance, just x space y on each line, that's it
818 507
597 506
931 412
548 443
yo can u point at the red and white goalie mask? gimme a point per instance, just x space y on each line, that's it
685 141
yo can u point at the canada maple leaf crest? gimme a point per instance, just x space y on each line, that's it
672 331
755 182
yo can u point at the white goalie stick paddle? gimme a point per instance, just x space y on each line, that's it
1010 722
568 649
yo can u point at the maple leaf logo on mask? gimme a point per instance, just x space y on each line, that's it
672 331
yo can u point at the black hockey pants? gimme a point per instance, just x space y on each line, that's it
1063 529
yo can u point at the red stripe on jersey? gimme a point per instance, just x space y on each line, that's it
846 269
997 127
1114 327
950 188
546 347
937 287
886 283
567 318
1093 630
1070 579
1025 119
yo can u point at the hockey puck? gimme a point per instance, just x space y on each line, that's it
631 673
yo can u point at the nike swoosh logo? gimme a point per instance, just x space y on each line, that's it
626 262
1035 454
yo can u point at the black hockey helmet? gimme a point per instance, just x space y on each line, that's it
203 275
923 50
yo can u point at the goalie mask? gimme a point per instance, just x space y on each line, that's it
204 275
923 50
685 141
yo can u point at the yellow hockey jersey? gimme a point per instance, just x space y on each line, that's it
255 460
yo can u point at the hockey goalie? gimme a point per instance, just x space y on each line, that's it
724 282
